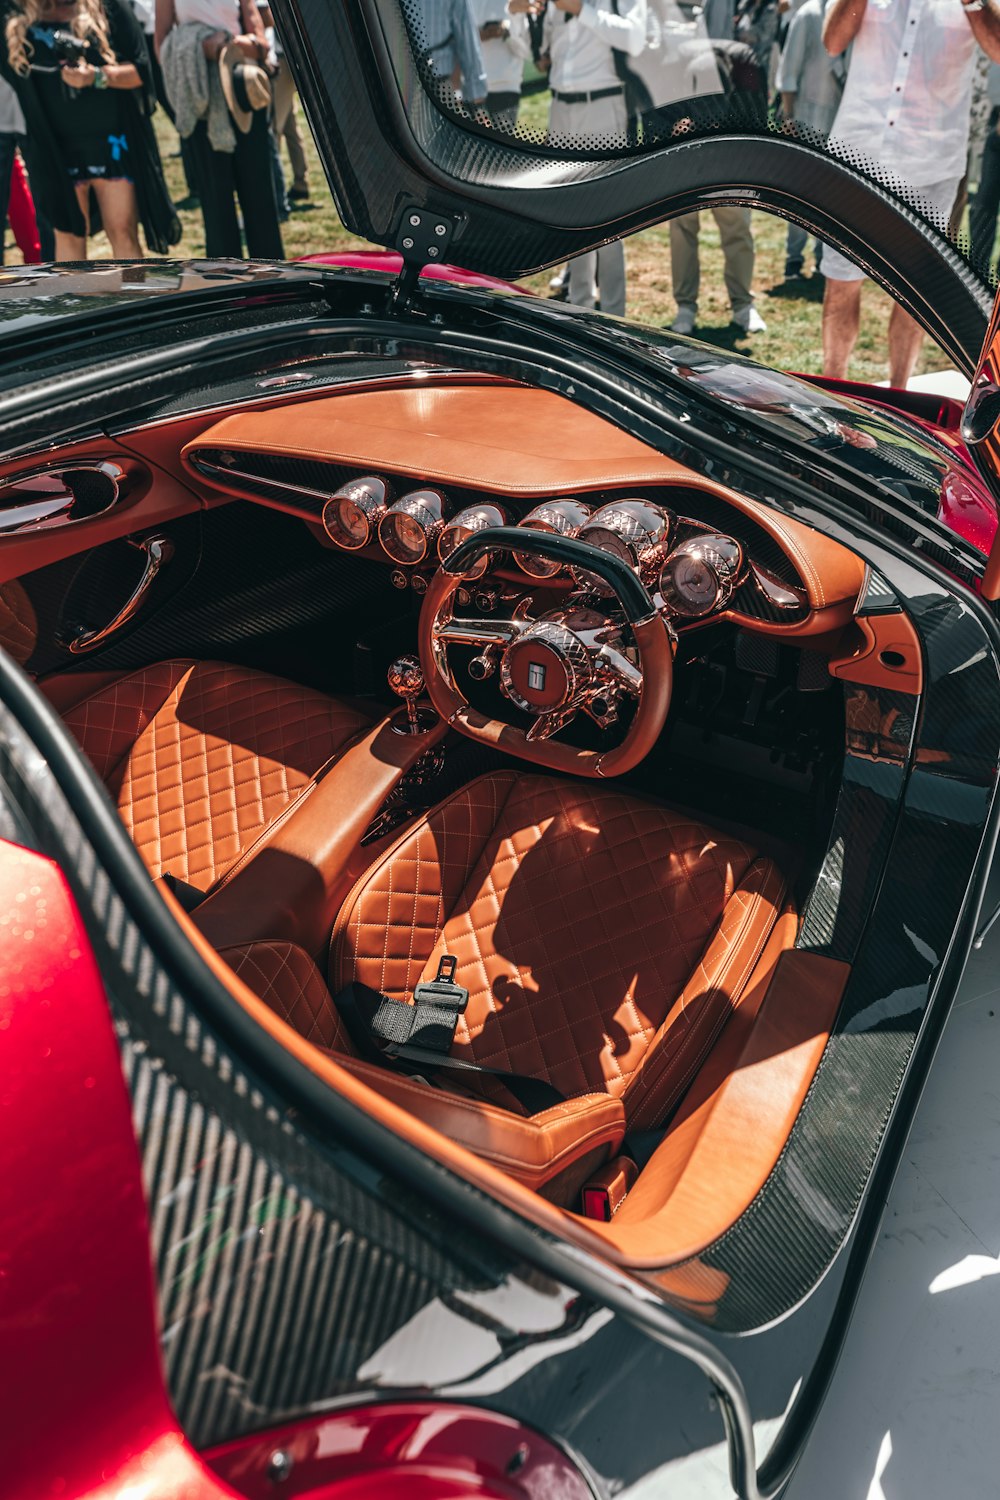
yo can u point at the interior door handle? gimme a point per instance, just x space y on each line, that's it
159 550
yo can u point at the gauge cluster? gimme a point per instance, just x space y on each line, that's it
692 570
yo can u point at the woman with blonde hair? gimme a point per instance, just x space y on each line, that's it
82 75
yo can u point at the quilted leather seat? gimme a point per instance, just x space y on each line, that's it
202 758
604 941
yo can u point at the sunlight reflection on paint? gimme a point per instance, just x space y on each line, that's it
971 1268
875 1490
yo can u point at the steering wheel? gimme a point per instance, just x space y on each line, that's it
554 664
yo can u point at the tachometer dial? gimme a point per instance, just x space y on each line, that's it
351 516
701 575
410 528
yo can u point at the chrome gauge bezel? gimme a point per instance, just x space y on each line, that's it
428 509
723 558
370 495
482 516
562 517
634 529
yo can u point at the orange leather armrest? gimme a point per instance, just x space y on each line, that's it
534 1148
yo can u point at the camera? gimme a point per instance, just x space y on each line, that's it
69 48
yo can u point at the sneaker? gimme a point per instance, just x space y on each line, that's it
750 320
297 194
684 321
793 270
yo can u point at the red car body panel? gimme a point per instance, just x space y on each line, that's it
390 263
416 1449
85 1410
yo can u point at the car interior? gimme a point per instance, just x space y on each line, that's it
511 838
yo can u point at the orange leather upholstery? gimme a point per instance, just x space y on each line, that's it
604 941
203 757
559 1143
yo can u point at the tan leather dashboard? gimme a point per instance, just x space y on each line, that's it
519 442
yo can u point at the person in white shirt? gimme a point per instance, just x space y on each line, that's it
506 47
580 38
906 108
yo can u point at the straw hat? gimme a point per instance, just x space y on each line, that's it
245 84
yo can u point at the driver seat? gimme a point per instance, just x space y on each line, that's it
604 941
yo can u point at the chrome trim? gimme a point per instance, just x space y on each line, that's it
159 550
371 495
571 653
45 512
779 595
642 530
428 507
559 518
226 474
482 516
723 557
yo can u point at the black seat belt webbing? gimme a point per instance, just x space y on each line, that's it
419 1034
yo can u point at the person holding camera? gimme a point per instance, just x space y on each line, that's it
81 73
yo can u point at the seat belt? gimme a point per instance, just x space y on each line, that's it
420 1034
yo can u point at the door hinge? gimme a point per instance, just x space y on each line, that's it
422 239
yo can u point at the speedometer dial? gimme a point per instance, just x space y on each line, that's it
635 531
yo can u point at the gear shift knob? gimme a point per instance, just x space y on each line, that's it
406 679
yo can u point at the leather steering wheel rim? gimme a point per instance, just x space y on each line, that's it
649 632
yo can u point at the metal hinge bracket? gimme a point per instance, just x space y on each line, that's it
422 239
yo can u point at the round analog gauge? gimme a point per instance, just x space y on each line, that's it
351 516
474 518
410 528
631 530
700 575
559 518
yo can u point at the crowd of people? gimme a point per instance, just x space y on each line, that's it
79 83
898 82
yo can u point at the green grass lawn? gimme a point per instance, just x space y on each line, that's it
792 340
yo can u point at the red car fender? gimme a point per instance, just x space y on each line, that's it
85 1413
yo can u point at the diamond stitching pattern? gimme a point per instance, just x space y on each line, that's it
286 979
204 756
587 925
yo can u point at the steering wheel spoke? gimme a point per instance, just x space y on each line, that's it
478 632
615 669
574 657
546 725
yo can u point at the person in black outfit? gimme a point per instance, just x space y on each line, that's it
221 29
81 73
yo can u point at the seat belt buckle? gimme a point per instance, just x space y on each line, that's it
442 990
603 1195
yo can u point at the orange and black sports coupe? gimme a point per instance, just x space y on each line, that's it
495 805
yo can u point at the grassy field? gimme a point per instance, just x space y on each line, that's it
792 340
